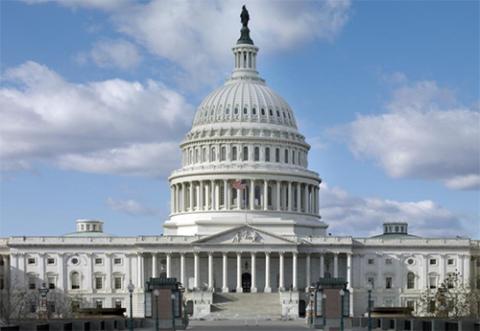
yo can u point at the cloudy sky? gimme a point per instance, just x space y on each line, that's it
95 96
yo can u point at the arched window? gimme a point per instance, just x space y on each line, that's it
277 154
257 154
245 153
410 280
204 154
190 154
293 157
234 153
263 111
196 156
267 154
286 156
212 155
75 280
254 111
223 153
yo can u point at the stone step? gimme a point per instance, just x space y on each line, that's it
240 306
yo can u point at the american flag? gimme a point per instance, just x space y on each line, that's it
237 184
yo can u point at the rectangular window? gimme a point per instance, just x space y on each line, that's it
411 304
118 283
33 307
371 261
118 304
98 283
50 260
51 282
388 282
117 260
388 261
431 306
31 260
432 281
98 260
2 284
99 304
32 284
451 261
433 261
371 281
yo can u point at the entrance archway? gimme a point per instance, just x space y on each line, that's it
246 282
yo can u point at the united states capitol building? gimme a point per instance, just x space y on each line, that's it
244 222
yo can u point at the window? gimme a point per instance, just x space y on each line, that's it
118 303
254 111
213 156
223 153
2 284
433 261
2 262
98 260
33 307
32 282
293 157
410 261
245 153
371 281
74 260
410 280
270 112
267 154
31 260
51 282
411 304
256 154
388 282
431 306
227 111
277 154
245 111
234 153
117 283
371 261
98 283
278 113
75 280
204 154
99 304
263 112
117 260
432 280
286 156
235 111
388 261
50 260
451 261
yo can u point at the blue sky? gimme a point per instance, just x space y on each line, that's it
96 95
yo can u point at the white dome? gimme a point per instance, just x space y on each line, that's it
246 100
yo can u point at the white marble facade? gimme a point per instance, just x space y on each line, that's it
244 205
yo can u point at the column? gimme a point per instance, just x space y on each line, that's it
322 265
225 273
294 271
290 196
210 271
265 195
254 277
182 270
91 275
62 284
239 199
217 196
349 283
278 195
239 273
461 267
183 195
172 199
196 272
306 198
154 265
201 202
442 268
425 272
128 262
335 265
139 270
252 194
307 272
191 196
299 197
268 289
226 203
43 266
169 264
212 194
281 285
108 264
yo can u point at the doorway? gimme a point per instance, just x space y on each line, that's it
246 282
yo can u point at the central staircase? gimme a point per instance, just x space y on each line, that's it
245 306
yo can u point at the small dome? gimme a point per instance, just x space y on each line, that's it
246 100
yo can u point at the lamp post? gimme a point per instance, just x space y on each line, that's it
324 302
156 293
342 295
130 288
172 296
43 294
369 286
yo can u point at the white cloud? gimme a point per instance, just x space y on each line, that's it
425 134
341 211
197 36
112 53
130 207
112 126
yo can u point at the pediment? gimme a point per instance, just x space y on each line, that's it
244 234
